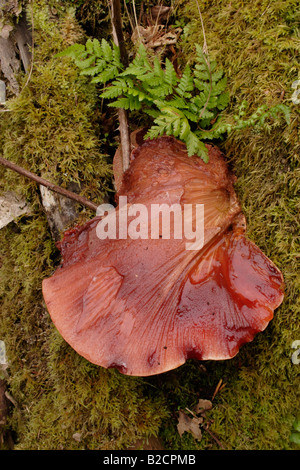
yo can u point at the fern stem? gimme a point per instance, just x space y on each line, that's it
205 48
205 55
210 90
125 138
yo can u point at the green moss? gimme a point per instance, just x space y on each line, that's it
66 402
81 406
52 128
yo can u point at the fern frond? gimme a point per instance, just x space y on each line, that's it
157 69
172 112
112 91
219 86
151 80
202 86
86 63
127 102
186 84
216 76
154 113
203 63
94 70
73 51
201 75
196 147
219 128
97 48
155 131
207 115
160 91
178 102
170 74
198 102
117 57
140 62
107 51
176 127
121 103
281 108
190 116
186 107
136 92
89 46
107 75
184 129
223 101
134 71
170 122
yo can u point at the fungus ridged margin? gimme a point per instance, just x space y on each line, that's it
145 306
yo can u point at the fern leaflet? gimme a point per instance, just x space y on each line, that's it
186 107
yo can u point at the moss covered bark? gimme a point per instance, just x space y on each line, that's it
64 402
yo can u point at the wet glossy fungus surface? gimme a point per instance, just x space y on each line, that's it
146 305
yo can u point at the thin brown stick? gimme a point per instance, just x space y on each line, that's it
116 21
125 138
217 389
206 428
129 17
48 184
136 20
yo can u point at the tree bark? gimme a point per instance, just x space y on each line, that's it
118 38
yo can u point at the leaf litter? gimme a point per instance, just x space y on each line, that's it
193 424
195 421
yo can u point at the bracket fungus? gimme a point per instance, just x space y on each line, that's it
145 305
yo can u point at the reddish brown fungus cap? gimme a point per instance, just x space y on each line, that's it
145 306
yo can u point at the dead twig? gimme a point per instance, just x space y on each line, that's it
136 20
11 399
48 184
220 386
129 17
206 428
116 21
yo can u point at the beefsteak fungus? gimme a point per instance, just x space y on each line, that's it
146 305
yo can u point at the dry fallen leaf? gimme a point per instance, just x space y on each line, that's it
155 36
77 436
5 30
203 405
11 207
160 12
167 39
191 425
